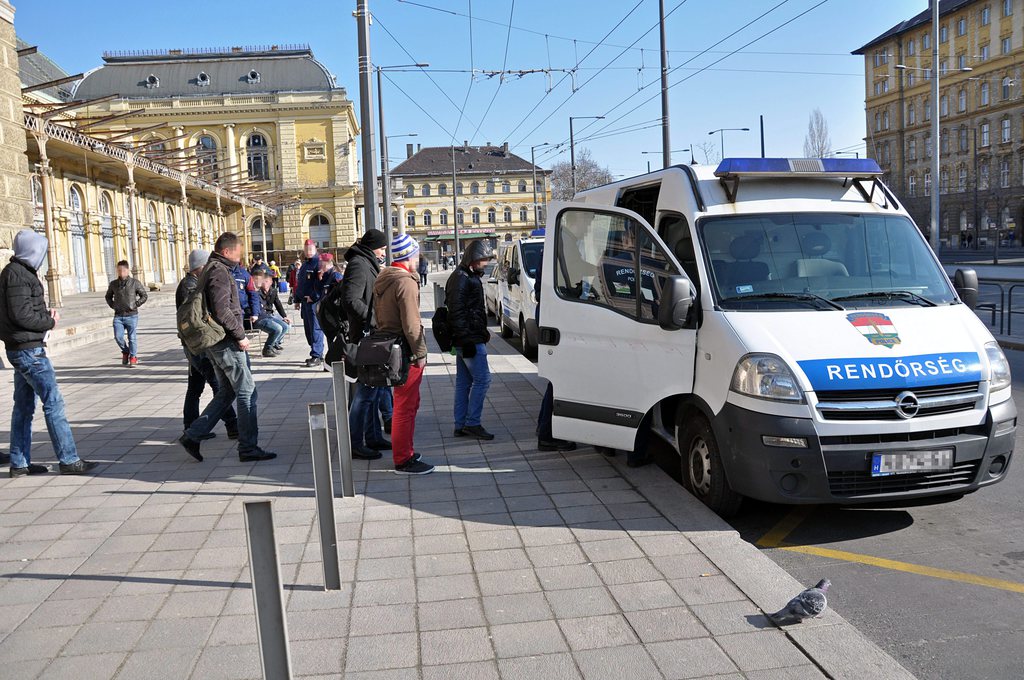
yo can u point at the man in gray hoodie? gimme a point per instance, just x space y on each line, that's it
24 324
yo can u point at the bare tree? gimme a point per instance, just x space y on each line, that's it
588 175
817 143
710 151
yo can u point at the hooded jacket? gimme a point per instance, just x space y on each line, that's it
221 293
357 289
396 307
24 318
464 297
125 296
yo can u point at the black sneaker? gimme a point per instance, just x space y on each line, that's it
477 431
18 472
555 445
314 362
206 437
192 446
364 453
459 432
414 467
279 347
269 353
382 445
35 469
79 467
256 455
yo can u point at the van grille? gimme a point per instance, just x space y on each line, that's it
861 483
881 404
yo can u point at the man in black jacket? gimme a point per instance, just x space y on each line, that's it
467 316
272 320
200 370
363 265
125 295
230 358
24 323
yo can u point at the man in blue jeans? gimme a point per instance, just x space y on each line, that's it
125 295
467 316
24 324
230 358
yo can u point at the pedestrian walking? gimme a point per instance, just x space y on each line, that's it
424 268
272 320
363 260
200 370
306 296
125 295
230 357
467 316
24 324
396 305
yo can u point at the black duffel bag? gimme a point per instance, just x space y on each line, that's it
383 360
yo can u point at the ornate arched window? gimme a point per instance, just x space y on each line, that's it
522 186
476 215
410 191
105 204
425 190
442 217
508 214
206 154
410 219
492 215
442 189
427 218
75 199
320 230
258 157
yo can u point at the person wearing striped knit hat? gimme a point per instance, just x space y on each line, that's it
396 306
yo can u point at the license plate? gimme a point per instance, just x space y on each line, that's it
907 462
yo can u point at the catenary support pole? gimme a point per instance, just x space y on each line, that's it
933 237
366 116
323 487
265 572
666 142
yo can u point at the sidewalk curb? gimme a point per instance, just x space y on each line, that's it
1010 344
833 644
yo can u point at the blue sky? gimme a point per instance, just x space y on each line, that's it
796 67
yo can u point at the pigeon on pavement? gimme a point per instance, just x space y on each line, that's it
809 604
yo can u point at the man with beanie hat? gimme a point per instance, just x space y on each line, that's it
364 259
24 324
306 297
200 371
396 307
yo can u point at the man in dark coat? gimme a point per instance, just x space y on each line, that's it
363 259
467 316
125 295
307 294
24 324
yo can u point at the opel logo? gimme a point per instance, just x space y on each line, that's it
907 405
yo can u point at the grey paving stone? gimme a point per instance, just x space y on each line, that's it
548 667
62 613
481 670
622 548
555 555
241 630
37 643
390 674
508 582
808 672
527 639
384 547
388 591
382 619
646 595
440 565
731 617
516 608
656 625
455 646
447 614
433 588
627 571
568 576
495 540
441 543
537 536
614 663
695 658
598 631
208 602
172 662
228 663
692 565
580 602
191 633
321 656
24 670
385 568
761 650
106 636
666 544
84 667
499 560
706 590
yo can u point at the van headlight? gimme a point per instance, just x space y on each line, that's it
765 376
999 367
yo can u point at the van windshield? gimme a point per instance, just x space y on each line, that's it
532 254
820 261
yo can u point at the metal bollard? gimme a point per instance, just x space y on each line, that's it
439 296
344 435
265 571
323 485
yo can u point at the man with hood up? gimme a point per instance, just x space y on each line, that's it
467 316
24 323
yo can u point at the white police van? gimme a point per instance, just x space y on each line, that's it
517 305
791 334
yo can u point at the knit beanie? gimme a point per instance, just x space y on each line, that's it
198 258
403 247
373 239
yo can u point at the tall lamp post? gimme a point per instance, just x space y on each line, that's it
661 153
384 165
572 146
533 164
721 135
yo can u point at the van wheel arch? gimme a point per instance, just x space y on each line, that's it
701 464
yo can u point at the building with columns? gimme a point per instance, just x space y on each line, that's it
269 119
15 199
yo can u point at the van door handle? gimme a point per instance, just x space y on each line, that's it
548 336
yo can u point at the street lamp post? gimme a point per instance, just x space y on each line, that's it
572 147
721 134
648 153
533 164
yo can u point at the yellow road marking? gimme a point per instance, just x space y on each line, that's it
777 535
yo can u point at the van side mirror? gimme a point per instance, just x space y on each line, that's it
965 282
675 303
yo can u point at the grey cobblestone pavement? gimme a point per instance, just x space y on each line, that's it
505 563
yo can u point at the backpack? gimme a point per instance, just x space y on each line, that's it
331 314
383 360
442 330
196 328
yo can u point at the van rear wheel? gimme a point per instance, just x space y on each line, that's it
529 351
701 465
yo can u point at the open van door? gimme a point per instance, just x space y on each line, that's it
613 344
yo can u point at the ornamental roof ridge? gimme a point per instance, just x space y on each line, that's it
189 53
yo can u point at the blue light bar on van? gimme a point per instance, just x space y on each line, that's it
803 167
537 233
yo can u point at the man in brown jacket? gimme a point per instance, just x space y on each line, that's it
230 358
396 304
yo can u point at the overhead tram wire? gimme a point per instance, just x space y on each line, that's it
472 79
501 80
562 79
413 100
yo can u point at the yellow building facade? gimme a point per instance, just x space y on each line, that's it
487 191
270 120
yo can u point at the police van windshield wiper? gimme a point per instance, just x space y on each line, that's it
803 297
906 295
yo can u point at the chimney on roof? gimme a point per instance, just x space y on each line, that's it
408 151
418 147
465 146
504 149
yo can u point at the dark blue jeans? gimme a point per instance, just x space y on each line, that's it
363 422
34 377
472 378
311 326
127 325
234 378
275 329
387 403
201 374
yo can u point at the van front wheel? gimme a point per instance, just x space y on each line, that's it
529 351
506 332
701 465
